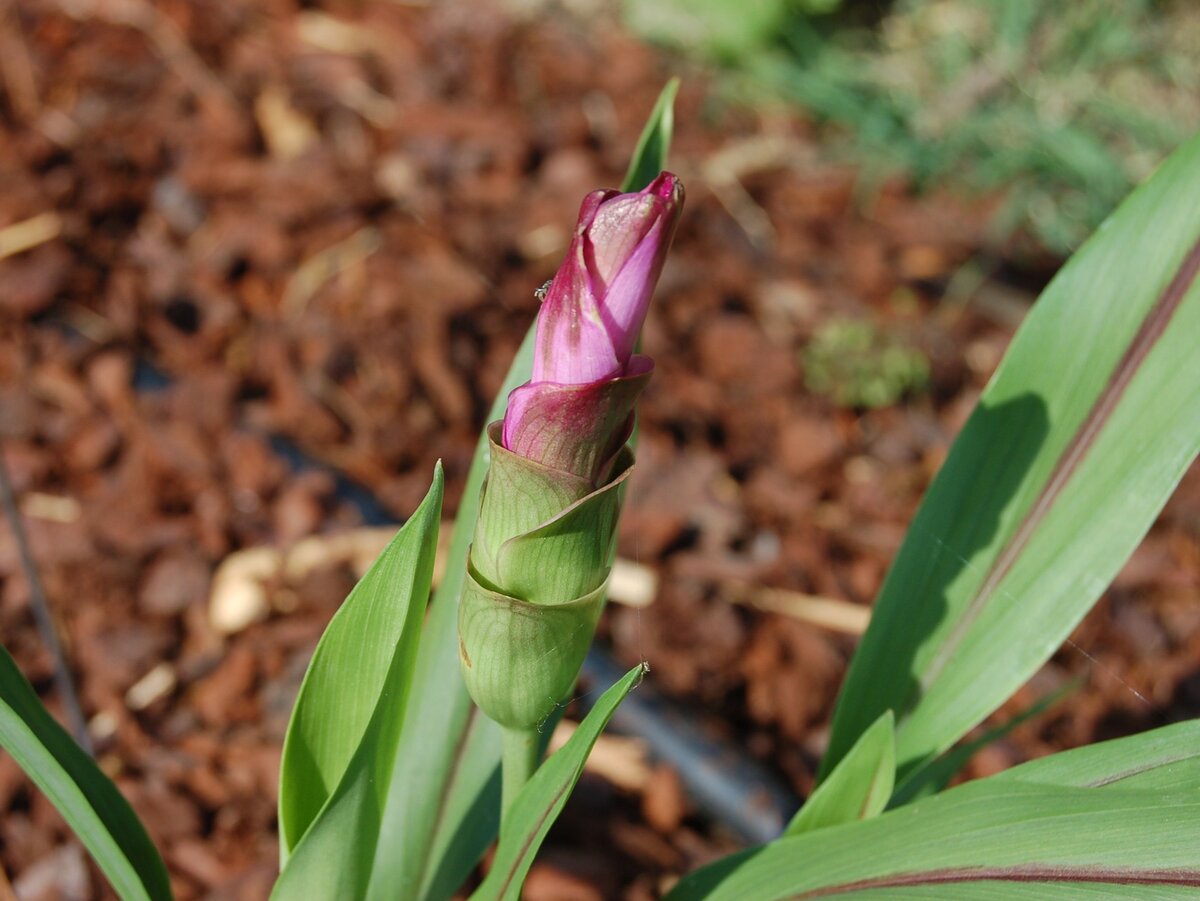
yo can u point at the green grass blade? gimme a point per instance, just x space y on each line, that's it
1076 444
544 796
650 156
440 818
1038 831
93 808
858 788
347 715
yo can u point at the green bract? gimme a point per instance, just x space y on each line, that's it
535 583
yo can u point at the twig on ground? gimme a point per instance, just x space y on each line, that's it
41 612
6 890
29 233
724 170
634 585
316 271
829 613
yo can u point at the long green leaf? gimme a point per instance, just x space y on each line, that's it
1119 820
1076 444
440 817
936 775
544 796
340 746
85 797
858 788
1000 842
650 155
1166 759
435 803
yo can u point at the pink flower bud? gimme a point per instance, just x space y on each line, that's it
576 412
595 306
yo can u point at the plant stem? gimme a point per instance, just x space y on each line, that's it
521 754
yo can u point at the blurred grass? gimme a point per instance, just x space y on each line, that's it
860 366
1059 108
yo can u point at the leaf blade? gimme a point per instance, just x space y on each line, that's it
1078 441
329 748
859 786
92 806
424 810
936 775
999 840
650 155
1165 759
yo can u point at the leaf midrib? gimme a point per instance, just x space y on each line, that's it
1026 873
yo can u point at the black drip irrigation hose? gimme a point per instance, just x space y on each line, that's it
148 379
724 781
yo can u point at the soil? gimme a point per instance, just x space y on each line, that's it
325 224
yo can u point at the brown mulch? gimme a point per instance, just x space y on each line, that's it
327 224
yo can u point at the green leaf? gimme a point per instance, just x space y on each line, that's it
999 839
650 156
448 750
473 804
1076 444
93 808
980 841
1166 759
933 777
859 786
544 796
441 816
340 746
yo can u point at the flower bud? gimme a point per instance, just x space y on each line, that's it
546 535
576 411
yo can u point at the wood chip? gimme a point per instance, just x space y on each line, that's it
287 131
156 684
239 592
632 584
29 233
51 507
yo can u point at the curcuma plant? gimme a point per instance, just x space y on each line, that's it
412 707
